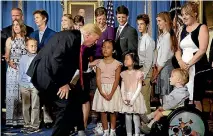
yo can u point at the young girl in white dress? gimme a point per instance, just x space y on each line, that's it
107 97
132 97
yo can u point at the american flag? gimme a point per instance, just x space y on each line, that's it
175 12
110 14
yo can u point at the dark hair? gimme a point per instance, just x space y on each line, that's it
133 57
122 10
22 27
143 17
100 11
113 46
110 41
78 19
43 13
18 10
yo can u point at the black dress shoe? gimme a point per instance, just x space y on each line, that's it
48 125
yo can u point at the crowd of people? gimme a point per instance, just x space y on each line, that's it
95 69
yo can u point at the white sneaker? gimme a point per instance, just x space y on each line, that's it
98 130
106 134
81 133
112 133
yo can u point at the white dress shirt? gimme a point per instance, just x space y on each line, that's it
41 33
120 28
164 49
146 47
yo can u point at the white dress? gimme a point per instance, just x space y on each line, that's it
189 48
131 79
100 104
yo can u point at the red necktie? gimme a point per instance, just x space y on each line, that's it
81 68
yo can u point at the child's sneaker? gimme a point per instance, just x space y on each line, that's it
145 129
98 130
33 130
112 133
144 118
106 134
81 133
24 129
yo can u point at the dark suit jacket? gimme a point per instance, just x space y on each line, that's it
7 32
57 62
48 33
127 41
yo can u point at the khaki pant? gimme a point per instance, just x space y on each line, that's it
146 90
30 98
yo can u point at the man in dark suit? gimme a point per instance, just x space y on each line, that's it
52 70
16 14
42 36
126 36
44 33
6 32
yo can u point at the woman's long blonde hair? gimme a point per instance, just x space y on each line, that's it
169 24
22 27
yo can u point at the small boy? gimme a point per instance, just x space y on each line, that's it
29 93
176 98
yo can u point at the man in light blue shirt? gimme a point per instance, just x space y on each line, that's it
29 93
44 33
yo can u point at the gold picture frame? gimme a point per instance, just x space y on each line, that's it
206 12
89 7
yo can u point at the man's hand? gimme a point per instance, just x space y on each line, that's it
64 91
94 63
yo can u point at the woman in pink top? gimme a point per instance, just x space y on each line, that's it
107 97
132 97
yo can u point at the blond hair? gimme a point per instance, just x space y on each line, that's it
91 28
191 8
183 75
69 16
30 39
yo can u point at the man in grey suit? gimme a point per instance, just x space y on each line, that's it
126 36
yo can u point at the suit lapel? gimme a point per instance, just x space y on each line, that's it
123 31
46 32
37 35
